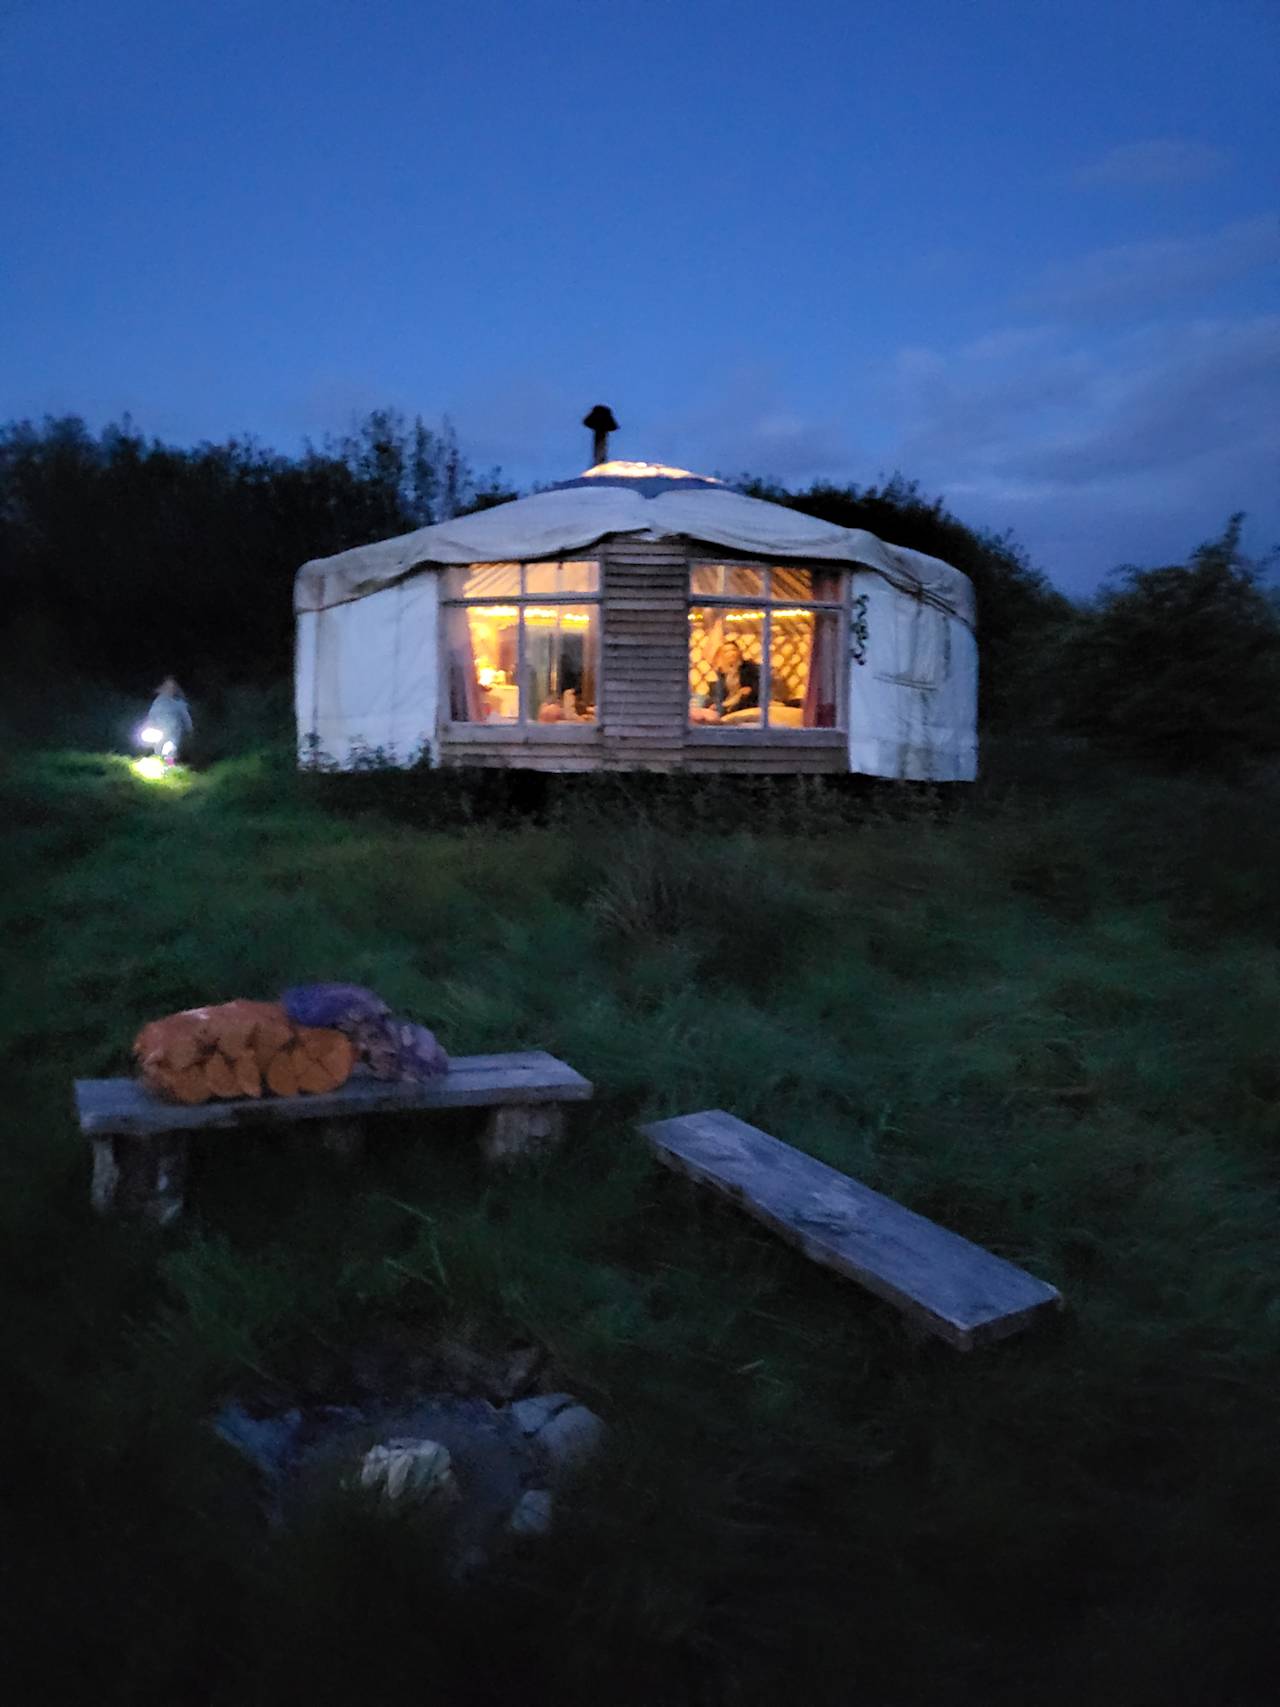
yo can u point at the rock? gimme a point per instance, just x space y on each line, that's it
421 1470
565 1433
531 1514
570 1439
532 1414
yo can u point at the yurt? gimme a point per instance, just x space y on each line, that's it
639 617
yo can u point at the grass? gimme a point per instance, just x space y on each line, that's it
1047 1018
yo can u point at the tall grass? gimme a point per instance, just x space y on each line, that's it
1048 1019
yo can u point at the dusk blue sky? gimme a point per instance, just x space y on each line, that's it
1028 253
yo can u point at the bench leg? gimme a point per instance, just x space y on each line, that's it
134 1176
518 1130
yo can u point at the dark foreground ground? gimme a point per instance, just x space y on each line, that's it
1051 1019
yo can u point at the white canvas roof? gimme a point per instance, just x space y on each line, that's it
576 515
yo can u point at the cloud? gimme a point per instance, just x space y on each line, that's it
1129 448
1115 280
748 424
1176 397
1158 163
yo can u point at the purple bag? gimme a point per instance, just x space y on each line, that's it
336 1005
390 1048
399 1049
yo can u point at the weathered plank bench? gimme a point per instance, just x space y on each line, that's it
140 1143
956 1289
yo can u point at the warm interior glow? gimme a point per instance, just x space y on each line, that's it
756 615
569 618
560 663
640 471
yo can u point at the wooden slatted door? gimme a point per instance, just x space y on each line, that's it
645 653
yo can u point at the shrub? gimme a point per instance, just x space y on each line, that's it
1181 665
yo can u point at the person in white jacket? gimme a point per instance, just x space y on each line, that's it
170 715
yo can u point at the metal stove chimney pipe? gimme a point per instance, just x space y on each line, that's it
602 423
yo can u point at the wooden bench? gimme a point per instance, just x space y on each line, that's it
954 1288
140 1142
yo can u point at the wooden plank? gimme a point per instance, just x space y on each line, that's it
551 754
494 734
522 759
515 749
630 591
626 720
645 746
814 762
958 1290
125 1107
644 712
645 600
641 761
776 739
644 553
669 718
662 740
653 664
631 545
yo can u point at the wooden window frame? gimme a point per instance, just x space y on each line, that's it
525 728
747 734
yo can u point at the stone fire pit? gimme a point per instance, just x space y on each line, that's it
485 1470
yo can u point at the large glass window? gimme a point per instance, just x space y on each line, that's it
522 642
764 646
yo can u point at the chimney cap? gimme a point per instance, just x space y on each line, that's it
600 420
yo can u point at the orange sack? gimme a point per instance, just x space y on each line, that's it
239 1049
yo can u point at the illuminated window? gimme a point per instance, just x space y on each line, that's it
764 646
521 642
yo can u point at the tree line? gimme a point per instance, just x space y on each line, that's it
122 557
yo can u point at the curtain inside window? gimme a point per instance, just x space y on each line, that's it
464 690
822 691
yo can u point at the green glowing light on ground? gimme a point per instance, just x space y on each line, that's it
152 768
